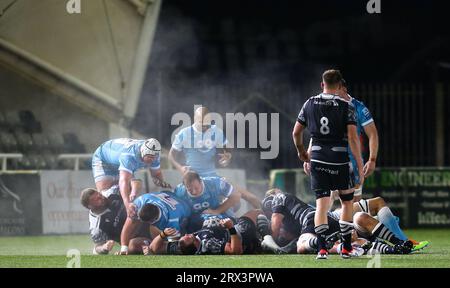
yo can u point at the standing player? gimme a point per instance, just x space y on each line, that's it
365 124
332 123
115 161
199 144
161 210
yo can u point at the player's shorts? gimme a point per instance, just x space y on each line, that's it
326 177
101 170
247 229
354 174
308 224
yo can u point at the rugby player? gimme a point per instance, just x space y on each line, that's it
223 237
332 123
115 161
107 215
161 210
204 195
199 144
286 209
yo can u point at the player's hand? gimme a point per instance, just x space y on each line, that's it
108 245
132 196
211 211
161 183
227 223
369 167
307 168
131 210
185 169
170 231
225 159
303 156
146 250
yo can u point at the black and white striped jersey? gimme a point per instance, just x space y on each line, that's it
212 240
326 116
108 225
293 209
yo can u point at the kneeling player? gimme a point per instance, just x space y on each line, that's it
107 215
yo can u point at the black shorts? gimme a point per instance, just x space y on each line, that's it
250 242
326 177
333 225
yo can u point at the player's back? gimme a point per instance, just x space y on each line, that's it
326 116
292 207
173 209
111 150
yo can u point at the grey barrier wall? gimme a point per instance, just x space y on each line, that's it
20 204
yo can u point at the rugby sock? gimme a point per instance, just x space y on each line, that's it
386 217
321 232
381 248
382 232
312 243
346 233
263 225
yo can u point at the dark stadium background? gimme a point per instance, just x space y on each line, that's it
221 53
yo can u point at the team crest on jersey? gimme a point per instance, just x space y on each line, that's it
205 145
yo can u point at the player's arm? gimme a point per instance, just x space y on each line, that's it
125 190
307 165
250 198
175 158
297 136
235 247
158 178
276 222
353 141
136 187
128 231
233 199
159 243
225 157
372 133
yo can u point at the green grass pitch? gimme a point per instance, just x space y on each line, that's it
50 251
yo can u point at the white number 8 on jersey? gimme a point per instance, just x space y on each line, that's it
324 129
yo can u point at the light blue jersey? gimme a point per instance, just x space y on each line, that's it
174 211
199 148
119 154
363 118
214 190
